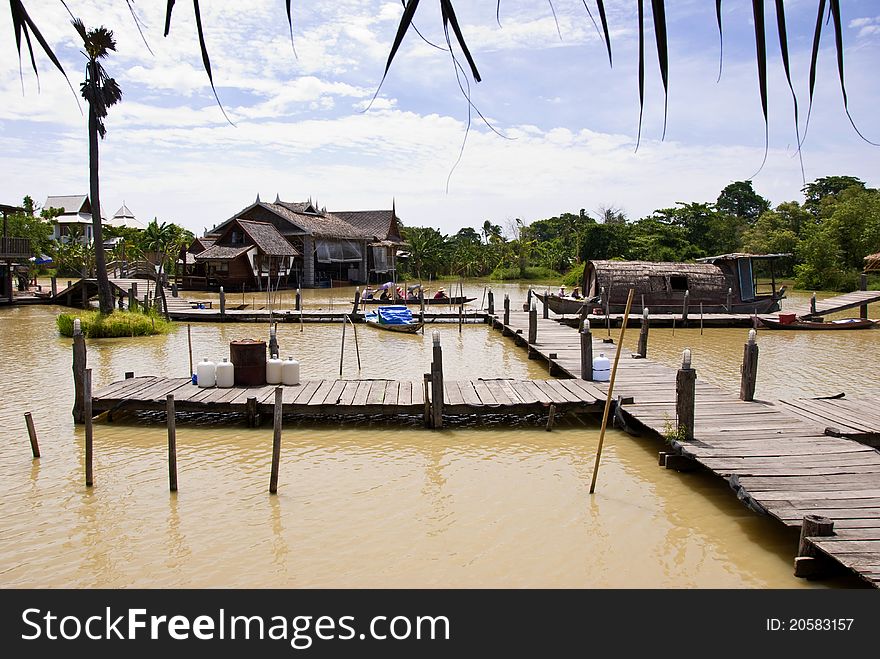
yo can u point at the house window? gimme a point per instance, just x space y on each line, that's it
236 238
678 283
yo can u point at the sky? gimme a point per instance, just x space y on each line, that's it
560 129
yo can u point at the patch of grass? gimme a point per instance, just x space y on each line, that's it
533 273
673 432
117 324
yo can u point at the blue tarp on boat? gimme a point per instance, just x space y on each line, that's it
395 315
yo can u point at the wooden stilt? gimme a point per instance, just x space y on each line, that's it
171 422
276 440
32 434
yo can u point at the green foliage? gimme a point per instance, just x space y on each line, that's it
827 186
740 200
120 323
575 276
673 432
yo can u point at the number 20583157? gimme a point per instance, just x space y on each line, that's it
809 624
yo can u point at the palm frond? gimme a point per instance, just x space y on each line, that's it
449 19
838 41
137 23
720 38
555 19
641 15
761 56
602 17
23 24
290 25
658 11
168 9
783 48
206 61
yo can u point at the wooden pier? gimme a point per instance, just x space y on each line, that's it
778 462
835 304
353 397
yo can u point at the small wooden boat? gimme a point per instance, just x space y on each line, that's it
566 305
841 324
396 318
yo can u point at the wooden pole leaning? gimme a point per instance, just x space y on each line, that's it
685 396
276 440
189 345
171 421
87 412
608 396
749 368
32 434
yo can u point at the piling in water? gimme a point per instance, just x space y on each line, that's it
172 442
32 434
276 440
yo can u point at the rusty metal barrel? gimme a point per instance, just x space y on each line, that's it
249 358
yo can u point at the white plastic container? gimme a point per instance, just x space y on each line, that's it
273 370
601 368
206 373
225 374
290 371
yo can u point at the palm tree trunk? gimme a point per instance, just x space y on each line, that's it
105 296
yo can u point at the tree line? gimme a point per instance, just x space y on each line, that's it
827 235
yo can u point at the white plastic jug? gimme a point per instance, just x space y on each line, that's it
225 374
273 370
290 372
601 368
206 373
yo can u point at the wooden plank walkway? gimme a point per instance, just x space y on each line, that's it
777 462
834 304
352 397
841 417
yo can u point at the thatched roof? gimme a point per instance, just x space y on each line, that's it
322 225
267 238
652 278
380 225
222 252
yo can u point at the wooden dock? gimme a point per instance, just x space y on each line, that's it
353 397
841 417
777 462
835 304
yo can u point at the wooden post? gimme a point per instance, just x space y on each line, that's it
528 300
426 383
357 300
146 302
298 306
460 316
643 333
253 417
129 375
172 442
342 347
506 309
813 304
729 300
222 304
533 324
132 299
32 433
546 309
174 289
809 561
863 286
749 368
87 412
79 369
701 319
684 308
422 308
491 308
551 417
54 281
276 441
273 339
437 381
685 390
189 345
586 352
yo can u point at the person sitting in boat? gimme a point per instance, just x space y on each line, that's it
440 294
368 293
384 295
413 294
562 291
576 293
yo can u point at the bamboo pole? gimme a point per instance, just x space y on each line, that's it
32 433
608 396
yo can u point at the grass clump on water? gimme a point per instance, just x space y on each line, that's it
119 323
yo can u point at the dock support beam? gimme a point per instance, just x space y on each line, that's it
685 390
79 369
491 308
54 281
749 368
87 412
809 561
506 309
546 310
533 324
357 300
729 300
253 416
586 352
222 304
298 301
437 381
528 305
643 334
813 304
684 308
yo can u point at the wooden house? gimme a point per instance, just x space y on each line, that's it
384 229
248 255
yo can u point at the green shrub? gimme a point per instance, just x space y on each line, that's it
575 276
532 273
119 323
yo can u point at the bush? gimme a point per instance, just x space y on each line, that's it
575 276
532 273
119 323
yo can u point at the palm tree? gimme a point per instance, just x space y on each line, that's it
157 238
100 92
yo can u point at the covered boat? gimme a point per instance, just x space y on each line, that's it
722 284
393 318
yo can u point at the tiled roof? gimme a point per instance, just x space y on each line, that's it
268 238
222 252
375 223
70 203
325 225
